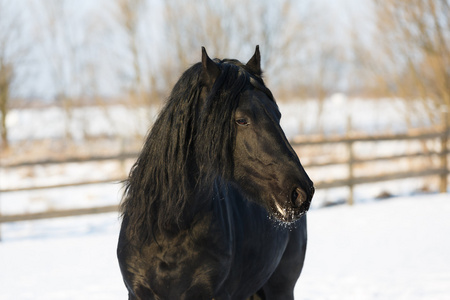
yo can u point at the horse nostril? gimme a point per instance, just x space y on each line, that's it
298 197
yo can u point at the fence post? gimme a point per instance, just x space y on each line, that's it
444 151
350 162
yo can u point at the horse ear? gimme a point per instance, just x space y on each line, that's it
254 64
210 71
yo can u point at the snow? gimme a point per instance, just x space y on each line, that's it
391 249
112 120
300 116
85 196
68 258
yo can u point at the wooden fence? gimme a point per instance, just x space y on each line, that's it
350 161
352 158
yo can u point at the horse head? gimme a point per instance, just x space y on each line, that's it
265 166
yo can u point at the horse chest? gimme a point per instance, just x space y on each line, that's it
221 253
256 245
259 256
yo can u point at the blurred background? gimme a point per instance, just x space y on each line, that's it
363 86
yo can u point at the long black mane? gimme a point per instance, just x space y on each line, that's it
188 150
204 200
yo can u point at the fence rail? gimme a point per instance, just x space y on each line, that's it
62 185
121 156
58 213
442 171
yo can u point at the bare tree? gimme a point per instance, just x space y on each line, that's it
68 42
283 29
60 51
234 27
13 53
6 78
128 15
414 60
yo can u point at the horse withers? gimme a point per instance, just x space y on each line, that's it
214 207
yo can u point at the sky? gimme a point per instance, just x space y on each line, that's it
104 64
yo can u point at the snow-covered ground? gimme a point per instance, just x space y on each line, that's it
67 258
391 249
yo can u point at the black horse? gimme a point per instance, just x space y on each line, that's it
214 206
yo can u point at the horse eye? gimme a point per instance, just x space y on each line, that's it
242 122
